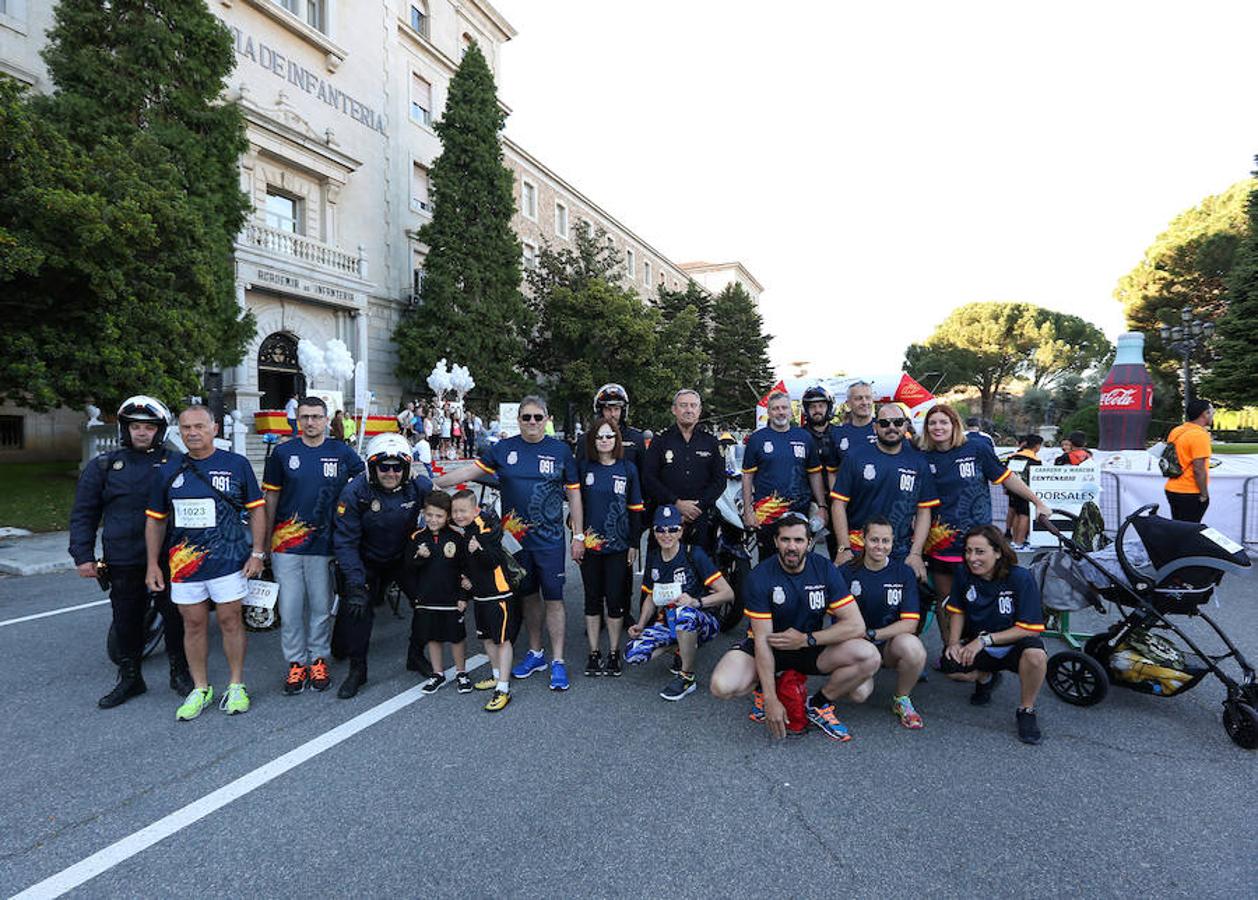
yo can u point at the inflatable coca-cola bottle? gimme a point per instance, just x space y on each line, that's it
1126 397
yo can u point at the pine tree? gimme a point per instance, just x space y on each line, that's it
470 309
741 371
122 202
1233 379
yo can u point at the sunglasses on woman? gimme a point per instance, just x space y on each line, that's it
667 529
604 437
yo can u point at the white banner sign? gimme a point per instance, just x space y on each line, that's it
1066 488
509 419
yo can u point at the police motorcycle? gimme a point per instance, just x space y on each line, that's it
735 542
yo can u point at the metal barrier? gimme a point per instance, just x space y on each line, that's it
1111 501
1249 512
1000 506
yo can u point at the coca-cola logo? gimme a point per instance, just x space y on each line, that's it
1127 396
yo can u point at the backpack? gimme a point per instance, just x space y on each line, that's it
511 568
1168 462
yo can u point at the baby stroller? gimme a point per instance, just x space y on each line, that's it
1154 570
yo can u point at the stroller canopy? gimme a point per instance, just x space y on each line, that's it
1198 553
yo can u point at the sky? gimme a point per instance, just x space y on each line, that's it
877 164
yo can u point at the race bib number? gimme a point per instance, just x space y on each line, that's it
666 593
194 513
261 593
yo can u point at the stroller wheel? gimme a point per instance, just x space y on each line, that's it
1240 721
1077 678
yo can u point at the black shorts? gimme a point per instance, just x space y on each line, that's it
1019 505
985 662
498 621
446 626
603 580
803 660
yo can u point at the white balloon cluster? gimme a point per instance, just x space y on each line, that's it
314 360
439 379
455 378
461 380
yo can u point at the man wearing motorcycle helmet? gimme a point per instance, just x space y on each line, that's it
818 413
111 496
611 405
302 481
375 516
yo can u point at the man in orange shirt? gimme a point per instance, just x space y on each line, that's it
1189 494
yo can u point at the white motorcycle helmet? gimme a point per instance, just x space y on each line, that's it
142 408
388 446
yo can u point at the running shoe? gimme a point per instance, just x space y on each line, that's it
463 683
983 690
498 701
486 684
195 704
612 667
594 665
681 685
235 700
433 684
675 665
825 719
903 708
757 707
534 661
320 680
1028 727
558 676
295 683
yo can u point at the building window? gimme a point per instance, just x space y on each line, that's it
312 12
528 200
12 436
646 273
419 189
283 213
530 255
561 220
631 263
421 100
419 19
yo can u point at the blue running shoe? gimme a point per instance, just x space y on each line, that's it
558 676
825 719
532 662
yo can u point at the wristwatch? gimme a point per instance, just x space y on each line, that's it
986 639
871 635
258 554
812 639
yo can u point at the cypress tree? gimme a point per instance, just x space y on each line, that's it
471 309
1233 378
741 371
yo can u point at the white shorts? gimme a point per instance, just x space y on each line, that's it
220 590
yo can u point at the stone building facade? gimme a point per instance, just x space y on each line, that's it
339 97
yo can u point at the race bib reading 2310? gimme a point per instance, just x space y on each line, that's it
194 513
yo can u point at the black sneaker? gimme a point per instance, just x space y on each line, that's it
675 665
463 683
594 665
681 685
433 684
612 667
983 690
295 681
1028 727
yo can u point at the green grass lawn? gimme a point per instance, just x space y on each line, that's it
1235 448
37 496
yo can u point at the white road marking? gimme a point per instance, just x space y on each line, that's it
120 851
52 612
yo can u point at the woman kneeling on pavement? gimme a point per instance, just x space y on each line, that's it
995 624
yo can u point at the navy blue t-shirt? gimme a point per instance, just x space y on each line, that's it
532 479
309 480
799 601
996 605
848 437
779 463
885 596
694 571
894 485
208 537
961 477
608 495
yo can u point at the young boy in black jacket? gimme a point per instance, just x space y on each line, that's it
436 562
498 613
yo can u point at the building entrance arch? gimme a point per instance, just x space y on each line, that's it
279 373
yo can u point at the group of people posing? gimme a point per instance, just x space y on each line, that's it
905 524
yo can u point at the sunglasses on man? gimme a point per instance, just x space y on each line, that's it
888 423
532 417
389 467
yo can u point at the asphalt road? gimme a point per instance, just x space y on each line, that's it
606 790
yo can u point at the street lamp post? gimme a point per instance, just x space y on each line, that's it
1186 339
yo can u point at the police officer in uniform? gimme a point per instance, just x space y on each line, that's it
818 408
375 516
112 494
684 468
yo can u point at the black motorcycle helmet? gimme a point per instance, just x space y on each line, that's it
816 393
142 408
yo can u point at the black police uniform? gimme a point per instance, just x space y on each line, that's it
674 468
112 494
829 454
369 537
